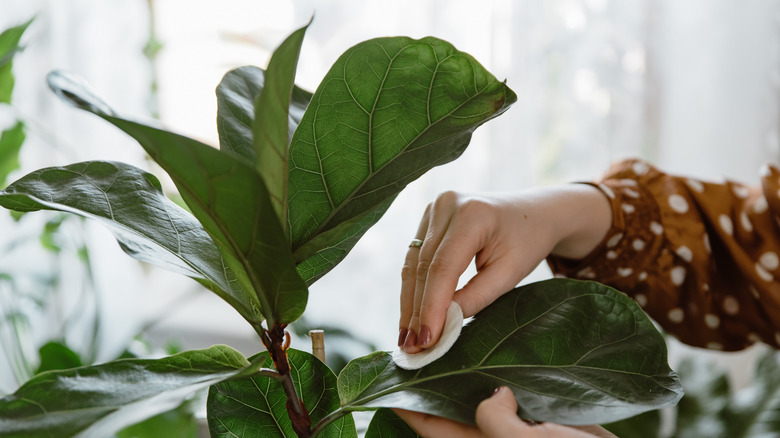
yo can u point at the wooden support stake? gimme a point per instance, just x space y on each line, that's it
318 344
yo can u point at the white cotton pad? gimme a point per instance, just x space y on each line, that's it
453 323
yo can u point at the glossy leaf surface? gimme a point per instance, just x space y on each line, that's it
236 96
270 127
97 401
227 196
385 424
255 406
147 225
387 111
573 353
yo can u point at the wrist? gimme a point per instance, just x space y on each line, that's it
583 216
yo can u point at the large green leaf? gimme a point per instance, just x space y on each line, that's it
227 196
10 144
270 127
387 111
336 244
147 225
255 406
9 46
236 96
573 352
97 401
385 424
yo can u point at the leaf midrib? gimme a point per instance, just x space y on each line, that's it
245 263
334 209
56 206
479 368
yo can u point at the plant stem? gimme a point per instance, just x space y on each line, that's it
276 340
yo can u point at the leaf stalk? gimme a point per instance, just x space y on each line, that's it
276 341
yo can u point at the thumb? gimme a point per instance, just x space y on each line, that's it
497 415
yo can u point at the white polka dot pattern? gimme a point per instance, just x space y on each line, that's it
640 168
625 272
678 203
614 240
766 276
696 186
685 253
769 260
745 221
676 315
670 245
741 192
712 321
731 305
607 191
760 206
725 224
678 275
631 193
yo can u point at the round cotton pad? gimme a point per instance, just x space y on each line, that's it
453 323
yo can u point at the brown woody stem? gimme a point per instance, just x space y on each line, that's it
276 341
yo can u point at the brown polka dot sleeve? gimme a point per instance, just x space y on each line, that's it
700 257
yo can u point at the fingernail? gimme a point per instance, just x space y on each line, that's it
402 336
425 336
495 391
411 340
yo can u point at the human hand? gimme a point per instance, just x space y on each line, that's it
496 418
507 236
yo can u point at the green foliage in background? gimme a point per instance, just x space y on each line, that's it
711 408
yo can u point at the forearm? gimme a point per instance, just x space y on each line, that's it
580 217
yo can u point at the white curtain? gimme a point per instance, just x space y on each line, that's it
691 86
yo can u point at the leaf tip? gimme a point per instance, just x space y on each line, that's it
75 90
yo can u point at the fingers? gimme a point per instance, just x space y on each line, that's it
493 279
453 256
430 426
435 274
409 280
497 416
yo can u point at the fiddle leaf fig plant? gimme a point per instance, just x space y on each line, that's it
297 180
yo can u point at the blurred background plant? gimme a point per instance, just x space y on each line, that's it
53 301
712 407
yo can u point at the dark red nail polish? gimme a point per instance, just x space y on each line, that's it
425 336
402 336
411 340
495 391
